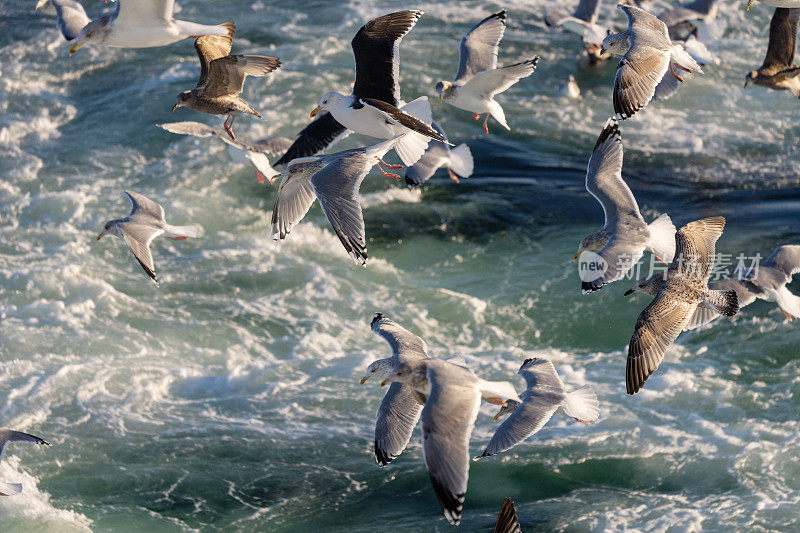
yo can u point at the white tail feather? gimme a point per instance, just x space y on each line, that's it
682 58
411 147
498 114
461 161
192 29
788 302
582 404
662 238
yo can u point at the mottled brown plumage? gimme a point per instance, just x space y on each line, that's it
779 71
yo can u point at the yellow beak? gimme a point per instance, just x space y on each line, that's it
176 106
316 110
75 48
576 256
496 417
363 380
39 4
749 3
100 236
441 98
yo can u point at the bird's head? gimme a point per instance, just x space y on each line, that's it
181 100
509 407
645 285
327 101
108 229
750 77
443 88
615 43
595 241
91 33
380 369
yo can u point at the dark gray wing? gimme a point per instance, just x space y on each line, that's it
479 48
786 258
211 47
447 421
322 133
70 18
9 435
336 187
226 75
404 344
782 39
293 200
138 238
695 248
397 415
376 48
144 209
507 521
640 70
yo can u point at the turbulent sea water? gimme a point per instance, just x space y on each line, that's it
228 399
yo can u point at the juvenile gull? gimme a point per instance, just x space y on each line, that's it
372 107
9 435
222 78
457 161
400 409
141 24
507 521
478 79
767 281
144 223
255 152
779 71
625 235
452 395
678 291
648 54
70 16
334 179
545 393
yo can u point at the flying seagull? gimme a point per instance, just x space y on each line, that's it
677 292
222 78
400 409
255 152
625 235
372 108
141 24
545 393
70 16
767 281
647 54
507 521
478 79
9 435
779 71
144 223
457 161
451 394
334 179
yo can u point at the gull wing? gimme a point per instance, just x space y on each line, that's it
640 70
144 209
9 435
405 345
491 82
143 13
294 199
211 47
70 18
782 39
507 521
695 249
226 75
138 238
785 258
479 47
322 133
397 416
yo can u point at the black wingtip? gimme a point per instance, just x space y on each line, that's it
588 287
451 504
610 130
376 318
381 457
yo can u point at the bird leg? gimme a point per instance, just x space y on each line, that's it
672 71
452 175
496 401
228 127
260 178
485 124
393 167
790 317
584 421
387 174
682 67
477 116
660 260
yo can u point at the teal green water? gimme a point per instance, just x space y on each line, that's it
228 399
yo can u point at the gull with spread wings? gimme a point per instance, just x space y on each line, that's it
9 435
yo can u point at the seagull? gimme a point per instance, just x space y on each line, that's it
334 179
779 71
141 24
478 79
625 235
222 78
775 3
9 435
569 88
70 16
458 161
400 408
678 291
372 108
451 394
582 21
698 19
544 395
507 521
768 282
648 54
144 223
255 152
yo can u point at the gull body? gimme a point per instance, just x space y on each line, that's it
222 78
544 395
625 235
779 71
9 435
677 294
458 161
478 79
766 282
144 223
141 24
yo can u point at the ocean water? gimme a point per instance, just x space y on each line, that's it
228 399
